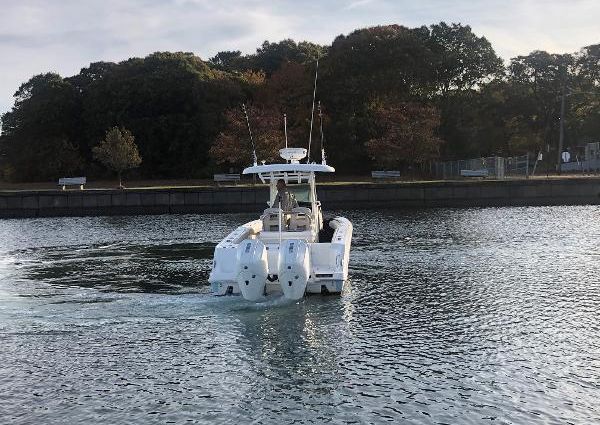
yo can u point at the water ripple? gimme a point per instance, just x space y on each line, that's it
451 316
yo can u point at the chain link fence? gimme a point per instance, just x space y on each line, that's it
518 166
578 166
494 166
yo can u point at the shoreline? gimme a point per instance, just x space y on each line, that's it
333 195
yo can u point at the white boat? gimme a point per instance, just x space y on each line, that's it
288 252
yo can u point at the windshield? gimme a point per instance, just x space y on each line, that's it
300 191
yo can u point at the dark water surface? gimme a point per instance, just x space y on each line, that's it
469 316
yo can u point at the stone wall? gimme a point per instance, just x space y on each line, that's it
480 193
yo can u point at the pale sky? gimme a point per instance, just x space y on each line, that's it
64 36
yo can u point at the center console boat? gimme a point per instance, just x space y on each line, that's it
291 252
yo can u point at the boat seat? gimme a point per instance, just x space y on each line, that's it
300 220
270 220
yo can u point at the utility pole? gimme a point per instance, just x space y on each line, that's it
561 137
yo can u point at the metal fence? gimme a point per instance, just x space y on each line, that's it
589 166
495 166
518 166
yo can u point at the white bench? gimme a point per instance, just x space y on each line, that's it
220 178
71 181
474 173
385 174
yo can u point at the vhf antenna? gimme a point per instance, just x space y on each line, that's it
323 158
254 158
312 113
285 129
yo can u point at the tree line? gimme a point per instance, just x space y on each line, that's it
391 96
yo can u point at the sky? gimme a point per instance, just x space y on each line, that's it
64 36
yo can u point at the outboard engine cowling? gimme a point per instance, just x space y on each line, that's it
252 269
294 268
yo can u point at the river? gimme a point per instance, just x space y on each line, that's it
451 316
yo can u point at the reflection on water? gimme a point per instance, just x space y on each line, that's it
452 316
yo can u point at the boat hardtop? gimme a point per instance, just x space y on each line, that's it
267 172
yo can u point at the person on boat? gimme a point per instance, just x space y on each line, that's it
284 197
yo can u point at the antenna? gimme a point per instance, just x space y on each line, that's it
323 159
285 128
312 113
254 159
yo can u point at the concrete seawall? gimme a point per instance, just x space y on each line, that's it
568 191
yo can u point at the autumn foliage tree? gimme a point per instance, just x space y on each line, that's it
118 151
288 91
233 147
406 134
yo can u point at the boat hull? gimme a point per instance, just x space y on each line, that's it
324 287
323 266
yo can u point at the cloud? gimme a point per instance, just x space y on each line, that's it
359 3
39 36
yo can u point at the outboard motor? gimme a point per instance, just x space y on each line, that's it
252 269
294 268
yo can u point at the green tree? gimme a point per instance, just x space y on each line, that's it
462 63
229 61
271 56
172 102
40 135
384 61
444 64
584 104
390 60
118 152
536 83
588 63
461 59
